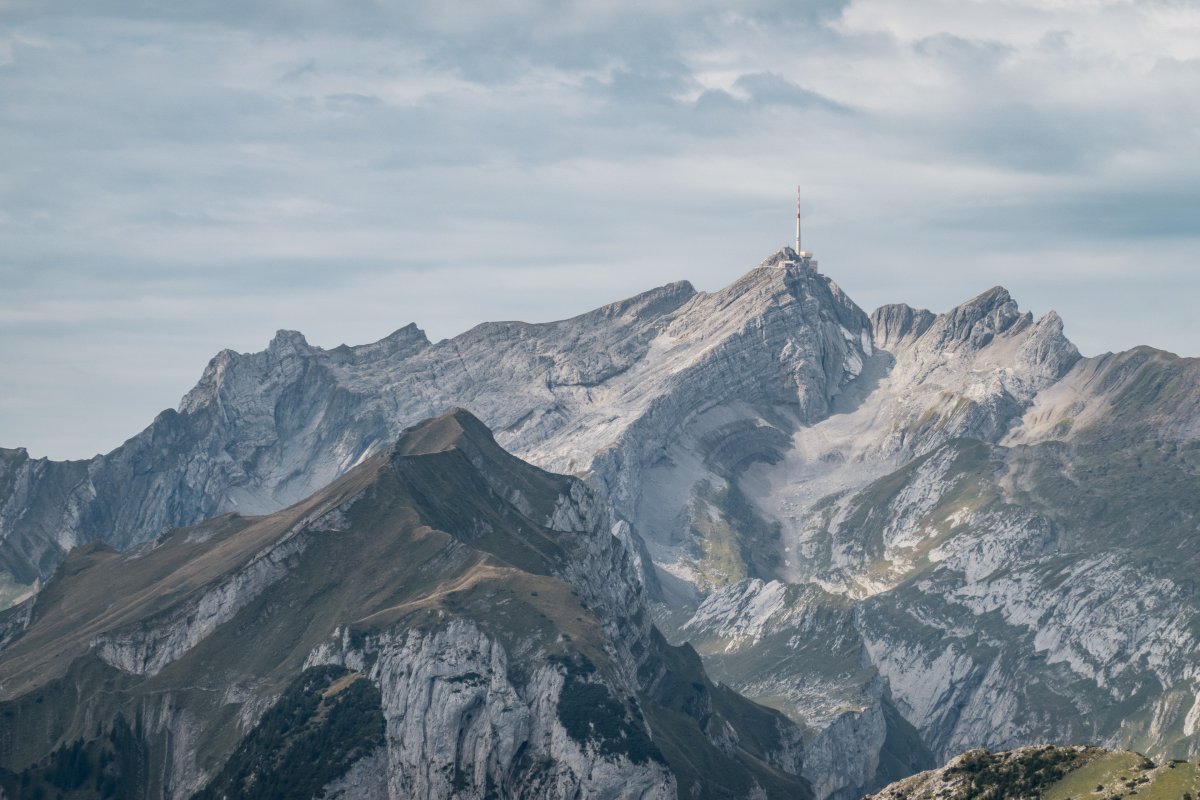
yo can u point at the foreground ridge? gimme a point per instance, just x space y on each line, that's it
1048 772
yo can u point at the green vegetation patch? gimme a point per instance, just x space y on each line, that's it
683 705
110 766
720 560
734 540
1000 776
12 591
328 719
1129 776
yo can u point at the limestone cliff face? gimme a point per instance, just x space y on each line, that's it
458 725
969 372
145 648
800 647
735 374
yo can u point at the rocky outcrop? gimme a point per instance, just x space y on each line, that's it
14 620
894 324
367 779
1020 773
800 647
458 725
151 644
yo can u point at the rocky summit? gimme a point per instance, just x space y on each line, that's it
909 534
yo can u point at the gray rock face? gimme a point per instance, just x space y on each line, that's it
999 513
146 648
457 726
367 779
797 647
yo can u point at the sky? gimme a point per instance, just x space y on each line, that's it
178 178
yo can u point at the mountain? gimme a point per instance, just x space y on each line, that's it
912 533
1046 772
443 620
715 379
1013 530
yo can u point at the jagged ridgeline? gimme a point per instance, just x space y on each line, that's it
911 534
443 621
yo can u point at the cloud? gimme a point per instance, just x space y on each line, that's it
185 177
769 88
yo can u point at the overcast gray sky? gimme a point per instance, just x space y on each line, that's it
176 178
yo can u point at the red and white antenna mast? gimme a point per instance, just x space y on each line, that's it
798 249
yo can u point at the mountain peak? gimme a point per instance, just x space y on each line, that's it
996 294
287 341
781 256
452 430
407 340
894 322
979 320
785 256
408 334
459 436
439 573
782 279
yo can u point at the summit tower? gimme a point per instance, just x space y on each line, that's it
798 248
802 255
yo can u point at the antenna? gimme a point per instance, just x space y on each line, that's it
798 249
